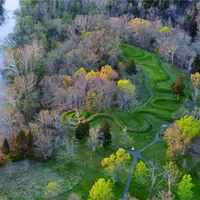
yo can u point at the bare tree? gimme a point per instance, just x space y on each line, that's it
126 139
11 120
67 152
43 129
155 177
168 51
24 60
95 140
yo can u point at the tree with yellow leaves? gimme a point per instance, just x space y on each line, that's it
101 190
108 73
195 78
137 24
91 74
115 163
140 173
80 72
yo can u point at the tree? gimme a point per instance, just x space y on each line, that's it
197 63
185 188
105 129
108 73
126 139
101 190
115 164
91 100
140 173
20 143
52 190
5 148
168 51
195 78
80 72
173 174
164 29
68 149
180 134
44 132
30 144
137 24
95 139
24 60
173 139
155 177
82 130
126 94
131 67
162 195
74 196
179 86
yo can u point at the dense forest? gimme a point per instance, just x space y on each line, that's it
102 101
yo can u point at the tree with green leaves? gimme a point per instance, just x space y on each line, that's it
131 67
52 190
185 188
197 63
173 173
105 129
5 148
140 173
82 130
101 190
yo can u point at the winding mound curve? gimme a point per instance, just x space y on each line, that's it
162 105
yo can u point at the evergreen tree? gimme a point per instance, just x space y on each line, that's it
20 143
197 63
5 149
82 130
131 67
105 129
30 144
179 86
